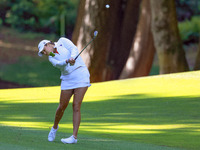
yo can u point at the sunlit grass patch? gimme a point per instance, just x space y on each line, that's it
182 84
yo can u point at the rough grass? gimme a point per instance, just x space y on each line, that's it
31 71
159 112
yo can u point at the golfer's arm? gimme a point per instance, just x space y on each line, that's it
58 64
71 47
74 52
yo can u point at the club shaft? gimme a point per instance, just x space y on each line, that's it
84 48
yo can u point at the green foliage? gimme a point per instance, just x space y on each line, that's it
189 30
1 22
5 5
22 15
189 6
50 14
37 15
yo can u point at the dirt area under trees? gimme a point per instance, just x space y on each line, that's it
12 48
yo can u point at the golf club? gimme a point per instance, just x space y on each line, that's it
95 35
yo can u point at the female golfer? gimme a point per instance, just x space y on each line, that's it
75 80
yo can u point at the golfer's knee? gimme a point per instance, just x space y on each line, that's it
61 108
76 107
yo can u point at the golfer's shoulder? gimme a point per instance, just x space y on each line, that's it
64 40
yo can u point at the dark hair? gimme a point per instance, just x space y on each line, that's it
51 42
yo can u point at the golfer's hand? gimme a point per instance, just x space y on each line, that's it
71 61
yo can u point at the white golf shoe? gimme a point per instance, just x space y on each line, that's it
52 134
70 140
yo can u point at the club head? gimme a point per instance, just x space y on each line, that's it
95 33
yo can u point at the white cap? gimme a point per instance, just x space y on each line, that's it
41 46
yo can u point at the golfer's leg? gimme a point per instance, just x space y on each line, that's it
78 98
64 101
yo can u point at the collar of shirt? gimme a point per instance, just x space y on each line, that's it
57 44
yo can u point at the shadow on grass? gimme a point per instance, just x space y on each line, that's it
16 138
31 71
169 121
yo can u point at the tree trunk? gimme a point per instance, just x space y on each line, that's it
116 25
197 62
142 52
93 15
166 37
123 36
79 21
82 33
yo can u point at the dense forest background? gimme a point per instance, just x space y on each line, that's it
131 43
47 16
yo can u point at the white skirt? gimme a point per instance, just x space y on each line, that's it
80 77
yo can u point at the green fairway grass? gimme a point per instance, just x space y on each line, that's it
149 113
